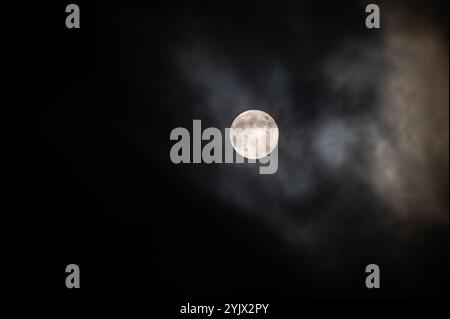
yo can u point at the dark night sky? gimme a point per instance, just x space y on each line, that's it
363 169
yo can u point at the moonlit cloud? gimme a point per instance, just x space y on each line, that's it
383 125
411 156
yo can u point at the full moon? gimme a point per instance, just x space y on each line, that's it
254 134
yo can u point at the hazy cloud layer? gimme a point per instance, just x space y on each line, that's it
378 142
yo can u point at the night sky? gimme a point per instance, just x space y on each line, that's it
363 150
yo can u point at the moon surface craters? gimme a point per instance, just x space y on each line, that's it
254 134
